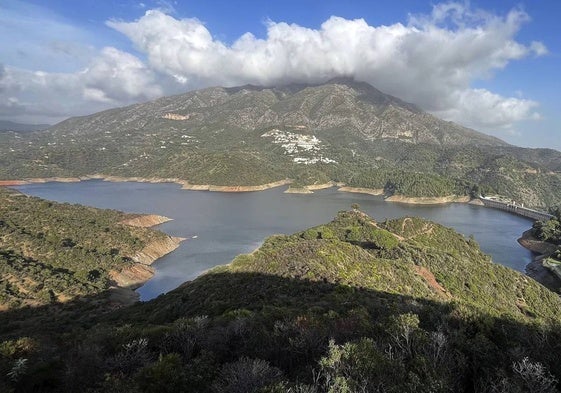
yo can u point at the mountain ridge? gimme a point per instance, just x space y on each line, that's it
216 95
342 131
6 125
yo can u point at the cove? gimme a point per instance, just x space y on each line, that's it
219 226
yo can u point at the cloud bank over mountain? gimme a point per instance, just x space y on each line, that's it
432 61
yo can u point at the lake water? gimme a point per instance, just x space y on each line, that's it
228 224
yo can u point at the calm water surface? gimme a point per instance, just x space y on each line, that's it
228 224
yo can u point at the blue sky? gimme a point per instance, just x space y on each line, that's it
490 65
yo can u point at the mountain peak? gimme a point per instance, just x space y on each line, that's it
343 130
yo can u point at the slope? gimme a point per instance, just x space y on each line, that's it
53 253
354 305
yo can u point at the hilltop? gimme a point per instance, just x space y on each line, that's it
403 305
341 131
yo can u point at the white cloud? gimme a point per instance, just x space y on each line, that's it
500 112
112 78
120 77
432 61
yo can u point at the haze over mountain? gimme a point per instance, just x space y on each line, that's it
6 125
341 131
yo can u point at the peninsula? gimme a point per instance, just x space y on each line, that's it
54 253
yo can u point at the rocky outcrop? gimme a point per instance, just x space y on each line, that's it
146 221
539 269
135 275
132 276
175 116
533 244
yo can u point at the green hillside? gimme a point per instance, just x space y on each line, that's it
341 131
350 306
52 252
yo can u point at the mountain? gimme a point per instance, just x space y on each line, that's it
340 104
403 305
54 253
6 125
341 131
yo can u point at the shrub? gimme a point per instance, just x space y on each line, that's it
246 375
164 376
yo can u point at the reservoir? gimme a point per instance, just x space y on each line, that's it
219 226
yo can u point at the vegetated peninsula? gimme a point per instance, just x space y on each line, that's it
52 253
342 131
403 305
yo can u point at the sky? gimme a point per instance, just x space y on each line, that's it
492 65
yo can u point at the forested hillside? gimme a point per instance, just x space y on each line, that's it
350 306
52 252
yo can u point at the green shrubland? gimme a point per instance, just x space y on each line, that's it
52 252
354 305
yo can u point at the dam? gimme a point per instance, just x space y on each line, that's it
512 207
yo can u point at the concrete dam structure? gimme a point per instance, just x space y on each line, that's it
516 209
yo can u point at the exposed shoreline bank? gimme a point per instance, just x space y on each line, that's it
536 269
428 200
185 185
129 279
309 189
362 190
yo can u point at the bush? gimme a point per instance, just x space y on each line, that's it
164 376
246 375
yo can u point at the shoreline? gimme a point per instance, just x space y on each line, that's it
185 185
536 269
428 200
126 281
146 220
309 189
362 190
125 289
130 278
